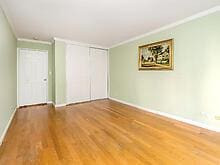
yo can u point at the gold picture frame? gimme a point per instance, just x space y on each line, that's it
156 56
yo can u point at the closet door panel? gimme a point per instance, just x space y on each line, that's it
78 74
99 73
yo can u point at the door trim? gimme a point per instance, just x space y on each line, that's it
18 76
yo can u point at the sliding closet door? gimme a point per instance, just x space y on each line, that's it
77 74
99 73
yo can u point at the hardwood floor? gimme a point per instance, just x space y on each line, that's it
104 133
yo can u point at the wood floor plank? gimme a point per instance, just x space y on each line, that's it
104 132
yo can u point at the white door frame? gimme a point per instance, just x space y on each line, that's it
18 76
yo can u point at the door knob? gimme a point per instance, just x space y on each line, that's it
45 79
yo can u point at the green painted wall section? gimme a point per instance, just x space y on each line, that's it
191 90
41 46
8 73
60 72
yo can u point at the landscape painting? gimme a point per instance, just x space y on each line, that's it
156 56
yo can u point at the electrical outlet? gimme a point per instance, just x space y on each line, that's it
217 117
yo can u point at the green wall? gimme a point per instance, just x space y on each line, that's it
191 90
8 73
60 72
42 46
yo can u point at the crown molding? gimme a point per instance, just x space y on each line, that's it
34 41
185 20
80 43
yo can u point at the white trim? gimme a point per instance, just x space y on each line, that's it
56 105
7 127
34 41
51 102
41 50
188 121
185 20
80 43
59 105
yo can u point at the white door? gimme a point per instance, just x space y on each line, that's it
32 77
99 73
77 74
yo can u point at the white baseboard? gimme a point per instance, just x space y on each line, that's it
188 121
59 105
50 102
7 126
56 105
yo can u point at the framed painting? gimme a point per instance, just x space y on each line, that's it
156 56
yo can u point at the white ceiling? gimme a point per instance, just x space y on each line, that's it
101 22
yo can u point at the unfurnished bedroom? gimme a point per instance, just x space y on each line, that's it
109 82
